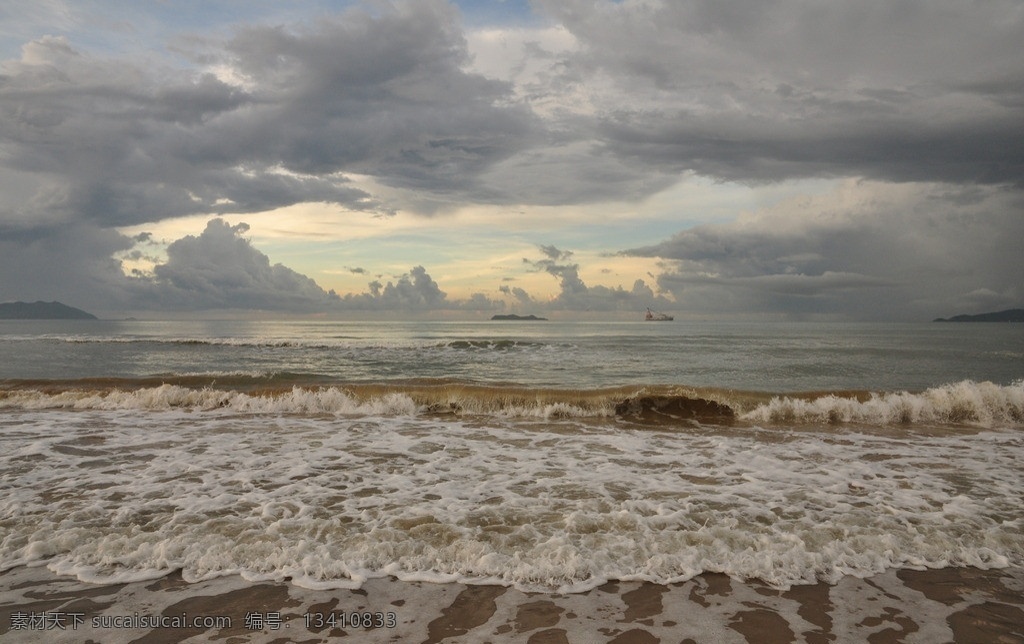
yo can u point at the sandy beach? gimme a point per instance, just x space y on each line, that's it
945 605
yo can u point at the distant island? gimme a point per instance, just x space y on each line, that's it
519 318
1010 315
42 311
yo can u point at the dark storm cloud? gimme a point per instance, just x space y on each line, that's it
384 95
72 264
889 149
741 91
874 251
94 142
920 90
756 91
582 171
101 141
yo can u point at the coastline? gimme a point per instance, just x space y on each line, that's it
936 605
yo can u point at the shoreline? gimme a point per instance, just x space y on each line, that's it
935 605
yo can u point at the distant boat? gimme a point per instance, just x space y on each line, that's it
652 316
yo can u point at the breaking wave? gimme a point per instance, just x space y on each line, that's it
981 404
967 402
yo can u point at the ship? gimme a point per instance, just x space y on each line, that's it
653 316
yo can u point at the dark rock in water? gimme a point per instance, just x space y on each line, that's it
660 408
519 318
1010 315
42 311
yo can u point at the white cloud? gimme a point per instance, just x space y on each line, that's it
576 295
220 269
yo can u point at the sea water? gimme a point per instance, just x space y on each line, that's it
548 456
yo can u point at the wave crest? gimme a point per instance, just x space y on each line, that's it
981 404
967 402
328 400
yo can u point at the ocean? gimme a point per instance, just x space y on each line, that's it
548 465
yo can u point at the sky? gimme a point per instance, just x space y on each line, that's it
716 159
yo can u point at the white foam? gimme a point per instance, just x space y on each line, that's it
299 400
330 400
333 500
981 404
977 403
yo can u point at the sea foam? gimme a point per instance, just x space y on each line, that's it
967 402
979 404
298 400
329 501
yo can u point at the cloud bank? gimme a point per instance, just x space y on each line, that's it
868 250
914 91
917 107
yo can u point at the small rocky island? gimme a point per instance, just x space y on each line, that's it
42 311
1009 315
519 318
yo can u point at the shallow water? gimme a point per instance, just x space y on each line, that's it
775 357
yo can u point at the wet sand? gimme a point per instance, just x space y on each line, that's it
948 605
